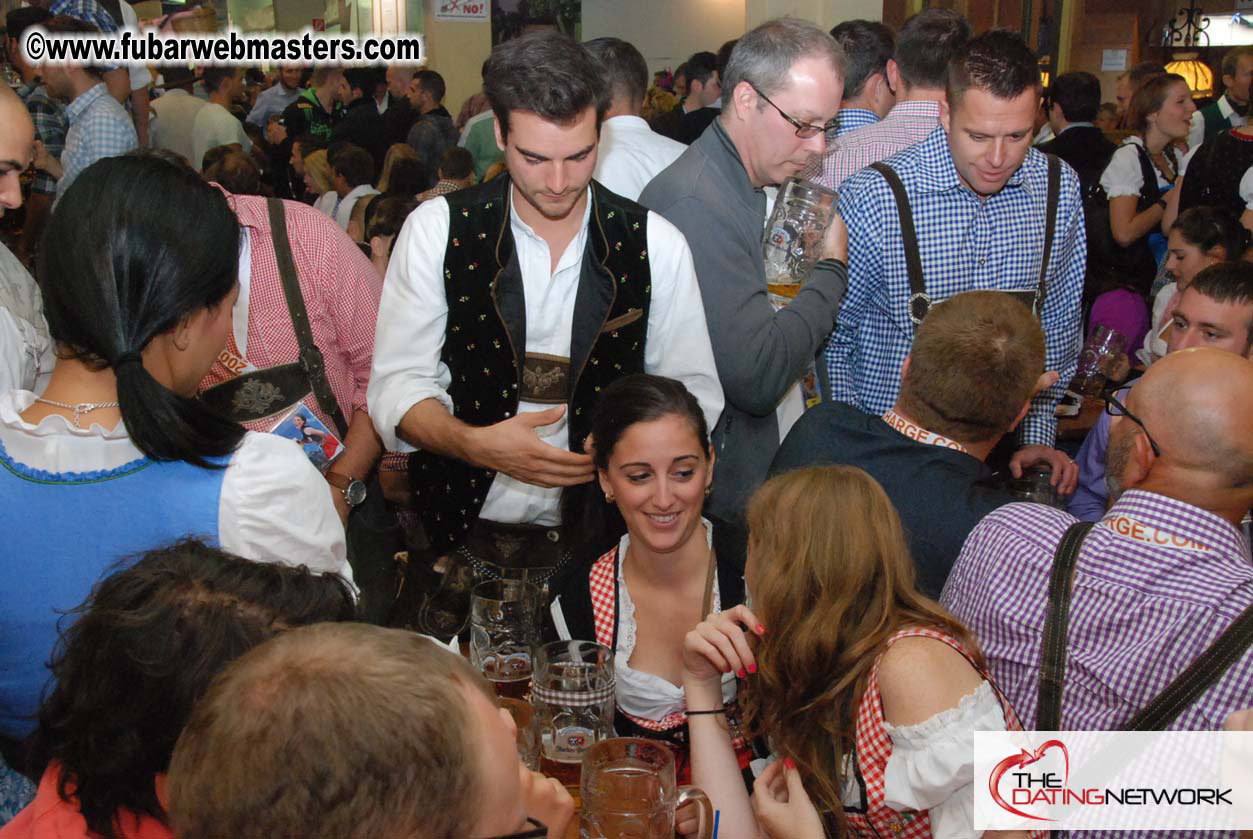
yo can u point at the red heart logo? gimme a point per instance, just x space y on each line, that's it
1025 758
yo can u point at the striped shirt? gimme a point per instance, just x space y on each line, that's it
905 125
1156 582
966 243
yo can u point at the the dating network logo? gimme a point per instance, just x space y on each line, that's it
1022 792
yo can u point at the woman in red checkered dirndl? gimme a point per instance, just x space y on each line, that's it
868 692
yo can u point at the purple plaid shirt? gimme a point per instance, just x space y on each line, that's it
906 124
1140 613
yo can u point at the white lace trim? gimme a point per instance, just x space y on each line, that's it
640 693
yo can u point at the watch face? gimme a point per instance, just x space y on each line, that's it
355 493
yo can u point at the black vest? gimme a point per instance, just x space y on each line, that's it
485 337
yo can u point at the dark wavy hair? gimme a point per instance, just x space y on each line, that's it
546 73
142 649
120 264
596 524
1210 227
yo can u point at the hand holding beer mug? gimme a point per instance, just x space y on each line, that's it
795 237
629 791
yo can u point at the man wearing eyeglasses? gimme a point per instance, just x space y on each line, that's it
1215 311
1137 598
967 208
780 95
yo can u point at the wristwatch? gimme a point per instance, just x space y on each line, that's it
354 490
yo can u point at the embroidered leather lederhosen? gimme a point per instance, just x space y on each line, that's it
485 338
265 393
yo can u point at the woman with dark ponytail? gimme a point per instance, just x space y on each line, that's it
138 269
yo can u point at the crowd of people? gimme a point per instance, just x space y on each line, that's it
536 337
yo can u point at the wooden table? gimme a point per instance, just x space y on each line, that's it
1078 426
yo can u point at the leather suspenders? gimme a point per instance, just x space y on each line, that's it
1183 690
919 300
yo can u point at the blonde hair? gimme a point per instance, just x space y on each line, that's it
319 168
832 580
398 151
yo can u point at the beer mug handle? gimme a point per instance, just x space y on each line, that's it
687 794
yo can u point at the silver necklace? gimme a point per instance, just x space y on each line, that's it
79 408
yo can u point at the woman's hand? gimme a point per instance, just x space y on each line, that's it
783 808
720 644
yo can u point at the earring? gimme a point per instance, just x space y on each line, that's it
708 491
609 497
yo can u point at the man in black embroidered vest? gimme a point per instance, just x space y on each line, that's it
509 306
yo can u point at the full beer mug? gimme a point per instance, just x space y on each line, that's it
793 238
628 791
573 693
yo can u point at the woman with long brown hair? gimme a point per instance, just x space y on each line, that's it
838 642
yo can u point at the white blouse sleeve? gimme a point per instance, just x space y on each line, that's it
932 763
276 507
1123 176
1246 188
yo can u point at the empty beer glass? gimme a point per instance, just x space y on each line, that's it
628 791
573 695
793 237
504 630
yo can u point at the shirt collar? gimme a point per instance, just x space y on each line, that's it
725 157
1224 107
1071 125
627 122
915 109
1181 518
574 251
85 100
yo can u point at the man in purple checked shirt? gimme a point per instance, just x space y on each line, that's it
1157 580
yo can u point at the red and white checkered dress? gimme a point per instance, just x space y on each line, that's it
874 747
601 584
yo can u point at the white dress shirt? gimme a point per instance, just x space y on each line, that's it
1196 131
176 112
274 505
26 349
413 316
631 154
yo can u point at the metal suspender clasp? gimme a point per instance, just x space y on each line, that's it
919 305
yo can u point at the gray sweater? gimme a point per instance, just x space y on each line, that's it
760 353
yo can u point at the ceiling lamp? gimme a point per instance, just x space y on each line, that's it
1196 72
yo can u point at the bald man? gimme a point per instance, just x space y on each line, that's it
1156 580
25 348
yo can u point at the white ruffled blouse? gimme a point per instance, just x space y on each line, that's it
274 507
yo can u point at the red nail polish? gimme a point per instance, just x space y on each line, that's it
761 629
789 763
752 668
740 672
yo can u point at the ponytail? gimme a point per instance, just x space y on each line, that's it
137 244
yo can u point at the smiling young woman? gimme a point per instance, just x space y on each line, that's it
670 566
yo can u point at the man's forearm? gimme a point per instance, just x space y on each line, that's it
362 448
429 426
139 112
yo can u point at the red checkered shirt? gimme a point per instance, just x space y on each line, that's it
341 289
906 124
874 747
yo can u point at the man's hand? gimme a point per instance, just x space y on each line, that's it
275 131
513 447
45 162
546 801
1065 471
835 242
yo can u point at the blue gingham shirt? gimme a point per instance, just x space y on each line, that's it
967 243
88 11
99 127
851 118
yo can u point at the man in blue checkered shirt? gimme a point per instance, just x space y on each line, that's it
978 193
